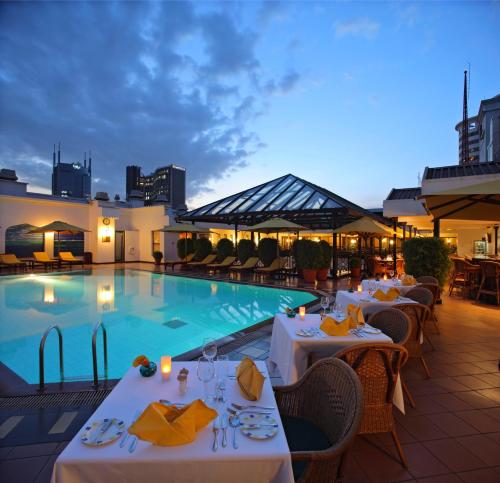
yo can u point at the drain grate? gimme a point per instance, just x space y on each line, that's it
174 324
60 399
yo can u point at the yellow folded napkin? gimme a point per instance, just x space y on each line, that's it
331 327
408 280
355 316
388 296
172 426
250 379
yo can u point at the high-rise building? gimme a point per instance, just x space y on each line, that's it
473 156
71 180
165 185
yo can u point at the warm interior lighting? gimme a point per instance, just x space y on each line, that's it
106 235
166 367
302 312
385 276
384 239
353 241
360 288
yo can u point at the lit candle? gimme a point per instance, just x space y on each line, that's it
385 276
360 288
166 367
302 312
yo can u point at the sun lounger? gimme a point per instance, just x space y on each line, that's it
67 258
208 259
250 264
273 268
11 261
225 264
182 261
41 258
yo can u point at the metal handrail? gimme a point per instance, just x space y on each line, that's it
94 351
41 364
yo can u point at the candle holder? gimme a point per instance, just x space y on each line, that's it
302 312
360 288
165 367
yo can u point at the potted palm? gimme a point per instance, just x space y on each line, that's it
157 256
309 259
355 266
326 259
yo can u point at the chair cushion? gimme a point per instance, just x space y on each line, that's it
302 435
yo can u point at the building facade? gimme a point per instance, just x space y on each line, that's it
165 185
71 180
473 126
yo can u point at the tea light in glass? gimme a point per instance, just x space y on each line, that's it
165 367
360 288
385 276
302 312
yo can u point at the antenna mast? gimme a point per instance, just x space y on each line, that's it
464 154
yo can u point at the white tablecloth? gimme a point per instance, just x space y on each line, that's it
289 351
386 285
253 462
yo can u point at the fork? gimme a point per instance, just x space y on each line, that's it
237 412
240 407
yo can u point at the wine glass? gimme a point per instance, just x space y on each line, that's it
325 302
391 273
205 372
209 348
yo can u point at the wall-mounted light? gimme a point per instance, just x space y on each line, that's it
392 242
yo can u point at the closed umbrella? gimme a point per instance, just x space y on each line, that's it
59 227
185 228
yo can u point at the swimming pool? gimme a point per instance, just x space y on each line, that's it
143 312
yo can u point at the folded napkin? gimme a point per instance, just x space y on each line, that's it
355 316
250 379
330 326
172 426
388 296
408 280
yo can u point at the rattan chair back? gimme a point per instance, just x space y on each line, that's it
422 295
428 279
417 313
393 323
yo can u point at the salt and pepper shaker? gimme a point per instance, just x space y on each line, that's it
182 378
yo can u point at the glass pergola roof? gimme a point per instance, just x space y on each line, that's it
289 197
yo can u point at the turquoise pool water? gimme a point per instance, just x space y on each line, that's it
143 312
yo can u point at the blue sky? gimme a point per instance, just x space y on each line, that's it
355 96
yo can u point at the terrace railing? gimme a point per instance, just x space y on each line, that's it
99 325
41 364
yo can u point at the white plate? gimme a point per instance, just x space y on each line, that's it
90 432
370 330
304 333
251 422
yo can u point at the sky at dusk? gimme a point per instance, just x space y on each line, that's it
357 97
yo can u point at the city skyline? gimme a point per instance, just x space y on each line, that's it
354 97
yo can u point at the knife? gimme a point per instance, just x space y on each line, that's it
224 430
215 429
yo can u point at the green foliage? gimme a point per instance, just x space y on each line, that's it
225 248
157 256
326 254
202 248
427 256
295 252
355 262
246 249
268 248
185 246
309 255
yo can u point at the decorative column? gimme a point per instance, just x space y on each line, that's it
334 256
394 241
436 227
496 238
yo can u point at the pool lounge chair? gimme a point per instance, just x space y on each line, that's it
11 261
67 258
249 265
181 261
273 268
224 265
41 258
208 259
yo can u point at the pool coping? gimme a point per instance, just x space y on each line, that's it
20 387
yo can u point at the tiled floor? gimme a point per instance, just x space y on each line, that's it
453 435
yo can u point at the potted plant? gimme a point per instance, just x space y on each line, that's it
295 253
309 259
225 248
157 256
326 260
355 266
246 249
202 248
268 249
427 256
185 246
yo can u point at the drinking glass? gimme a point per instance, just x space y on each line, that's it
391 273
209 348
222 370
205 372
325 302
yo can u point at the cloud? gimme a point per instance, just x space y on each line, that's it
138 83
284 85
357 27
272 10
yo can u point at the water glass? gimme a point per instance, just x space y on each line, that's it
222 370
205 372
325 302
209 348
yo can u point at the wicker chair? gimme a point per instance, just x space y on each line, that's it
426 294
490 272
464 275
321 414
418 314
377 366
398 326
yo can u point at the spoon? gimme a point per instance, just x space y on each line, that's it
234 422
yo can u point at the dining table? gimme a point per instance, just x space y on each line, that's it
254 461
289 351
371 284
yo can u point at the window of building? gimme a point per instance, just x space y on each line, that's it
155 239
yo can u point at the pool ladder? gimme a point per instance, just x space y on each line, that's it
41 363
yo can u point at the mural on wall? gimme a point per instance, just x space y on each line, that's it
19 241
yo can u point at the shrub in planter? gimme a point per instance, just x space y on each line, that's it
202 248
309 258
268 248
246 249
157 256
326 260
295 252
355 266
225 248
427 256
185 246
